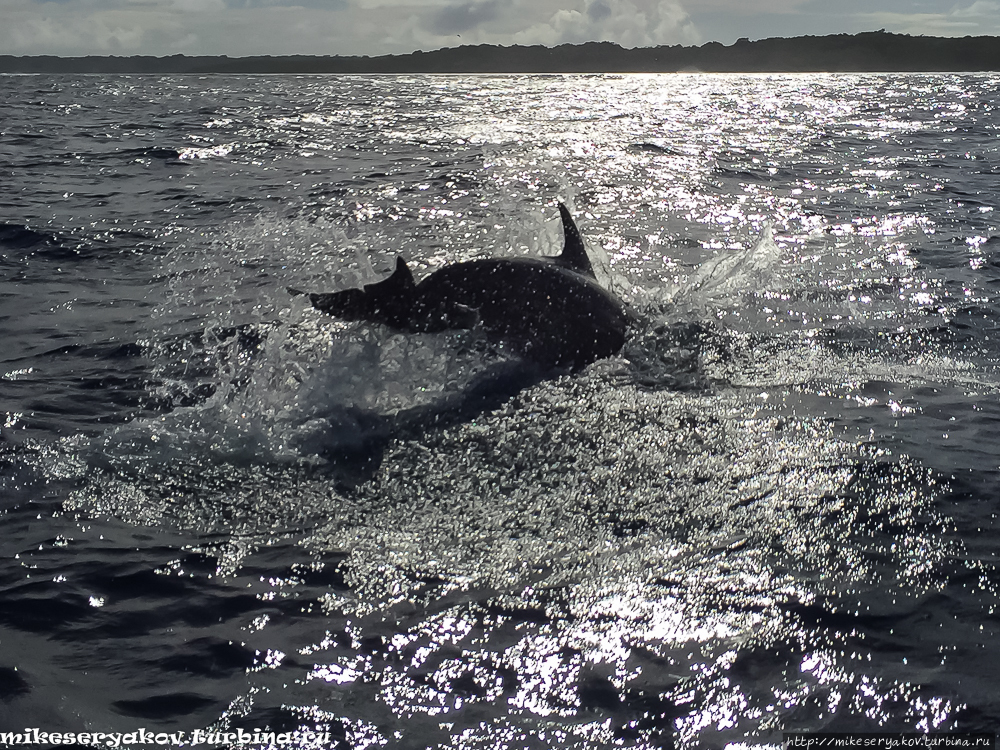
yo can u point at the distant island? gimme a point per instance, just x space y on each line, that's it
876 51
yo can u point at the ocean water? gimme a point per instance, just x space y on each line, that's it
775 511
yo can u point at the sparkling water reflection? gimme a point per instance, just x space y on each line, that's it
771 513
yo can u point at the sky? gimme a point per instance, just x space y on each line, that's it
377 27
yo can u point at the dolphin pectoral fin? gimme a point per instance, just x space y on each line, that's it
462 316
574 255
442 316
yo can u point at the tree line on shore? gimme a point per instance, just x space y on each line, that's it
877 51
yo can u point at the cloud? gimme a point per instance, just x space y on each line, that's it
598 11
317 4
57 28
454 19
631 23
749 7
327 27
375 27
198 6
979 9
979 18
165 27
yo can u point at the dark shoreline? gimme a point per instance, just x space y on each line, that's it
876 51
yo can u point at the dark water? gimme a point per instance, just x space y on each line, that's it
775 511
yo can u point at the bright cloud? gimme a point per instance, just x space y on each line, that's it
631 23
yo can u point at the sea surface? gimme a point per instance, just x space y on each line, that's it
774 511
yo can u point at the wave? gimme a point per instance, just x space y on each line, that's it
19 236
151 152
654 148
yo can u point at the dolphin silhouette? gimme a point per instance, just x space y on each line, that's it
551 311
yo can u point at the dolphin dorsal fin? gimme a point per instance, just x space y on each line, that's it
399 282
574 255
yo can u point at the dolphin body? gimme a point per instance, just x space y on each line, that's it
551 311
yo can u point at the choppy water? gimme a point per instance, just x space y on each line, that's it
775 511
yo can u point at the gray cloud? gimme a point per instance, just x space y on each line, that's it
977 18
597 11
454 19
318 4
